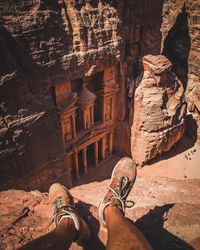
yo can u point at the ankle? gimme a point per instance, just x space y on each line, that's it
66 221
122 180
66 225
111 210
80 229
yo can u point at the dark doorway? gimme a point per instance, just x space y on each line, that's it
99 150
76 88
76 85
97 111
79 121
96 82
90 155
80 162
95 85
177 47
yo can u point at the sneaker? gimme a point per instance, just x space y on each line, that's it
63 204
122 180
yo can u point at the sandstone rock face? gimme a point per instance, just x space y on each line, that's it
185 48
66 36
159 110
43 43
166 211
29 131
47 43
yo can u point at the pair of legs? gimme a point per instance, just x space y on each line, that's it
122 234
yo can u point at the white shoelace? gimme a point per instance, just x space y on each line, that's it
120 193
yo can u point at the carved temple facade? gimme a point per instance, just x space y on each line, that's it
86 109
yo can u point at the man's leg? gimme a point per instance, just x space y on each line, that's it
60 238
69 224
121 233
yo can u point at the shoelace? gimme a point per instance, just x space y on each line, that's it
60 210
58 202
121 192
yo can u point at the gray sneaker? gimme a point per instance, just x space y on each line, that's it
122 180
63 204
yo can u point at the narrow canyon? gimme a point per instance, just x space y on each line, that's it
84 83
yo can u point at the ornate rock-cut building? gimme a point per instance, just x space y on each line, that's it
86 109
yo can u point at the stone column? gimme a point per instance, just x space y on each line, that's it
103 110
103 148
110 142
84 120
74 126
96 146
76 168
85 159
92 116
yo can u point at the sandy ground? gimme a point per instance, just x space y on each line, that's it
181 162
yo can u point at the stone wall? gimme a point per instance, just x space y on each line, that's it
31 151
64 37
141 22
44 43
171 11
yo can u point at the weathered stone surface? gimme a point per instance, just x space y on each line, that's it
65 36
166 211
44 43
185 48
159 110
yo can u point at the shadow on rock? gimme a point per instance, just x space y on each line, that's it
151 225
88 212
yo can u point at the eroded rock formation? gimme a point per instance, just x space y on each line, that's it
49 48
159 110
180 36
46 49
43 44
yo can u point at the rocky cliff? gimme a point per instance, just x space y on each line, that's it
44 43
180 33
159 110
165 210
